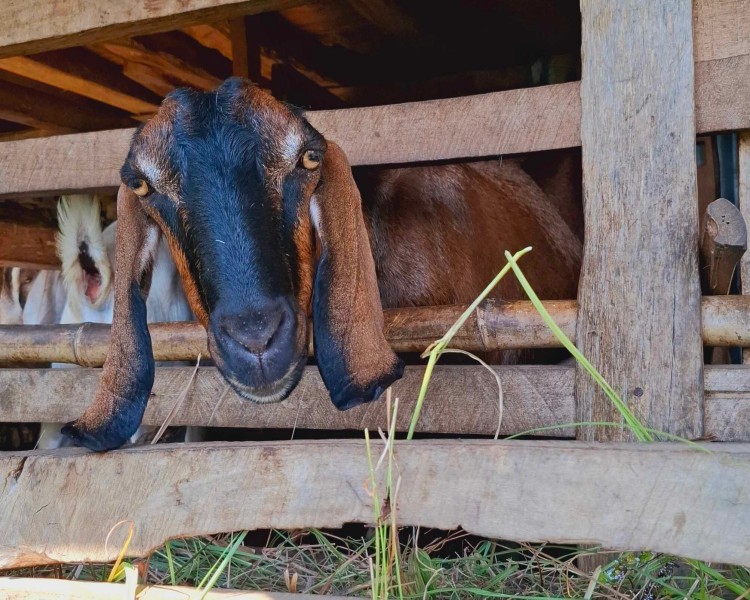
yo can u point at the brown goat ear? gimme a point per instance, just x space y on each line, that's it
128 374
355 361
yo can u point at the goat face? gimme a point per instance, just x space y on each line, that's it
264 223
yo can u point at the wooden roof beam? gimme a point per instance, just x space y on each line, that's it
214 36
158 71
40 25
84 73
55 114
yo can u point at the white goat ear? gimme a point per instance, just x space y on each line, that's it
354 358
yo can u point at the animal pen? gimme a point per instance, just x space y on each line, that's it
654 75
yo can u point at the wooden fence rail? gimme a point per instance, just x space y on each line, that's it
666 497
493 326
485 125
461 400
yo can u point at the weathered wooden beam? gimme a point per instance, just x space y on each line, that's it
86 74
41 110
24 245
511 122
721 28
39 25
214 36
290 85
744 204
246 51
639 317
626 493
134 57
462 400
493 326
43 588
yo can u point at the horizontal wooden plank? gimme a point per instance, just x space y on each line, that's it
28 588
664 497
24 245
38 25
721 28
493 326
461 400
499 123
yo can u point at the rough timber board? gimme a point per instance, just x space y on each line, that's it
639 316
461 400
484 125
667 497
37 25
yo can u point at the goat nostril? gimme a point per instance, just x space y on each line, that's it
257 333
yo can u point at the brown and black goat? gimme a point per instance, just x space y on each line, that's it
267 226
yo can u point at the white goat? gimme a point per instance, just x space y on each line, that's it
87 255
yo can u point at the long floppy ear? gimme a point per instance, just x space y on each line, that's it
128 373
354 359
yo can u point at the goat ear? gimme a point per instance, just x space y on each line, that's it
354 359
128 373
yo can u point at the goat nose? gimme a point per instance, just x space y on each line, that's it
257 330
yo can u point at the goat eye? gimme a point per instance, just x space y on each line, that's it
140 188
311 159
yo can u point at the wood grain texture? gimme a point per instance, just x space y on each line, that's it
78 83
38 25
493 326
728 403
30 246
639 295
498 123
20 588
744 204
666 498
721 28
460 400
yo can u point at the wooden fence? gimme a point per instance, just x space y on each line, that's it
654 74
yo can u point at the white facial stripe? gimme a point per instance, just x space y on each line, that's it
150 169
291 145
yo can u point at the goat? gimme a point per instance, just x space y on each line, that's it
266 226
87 256
15 284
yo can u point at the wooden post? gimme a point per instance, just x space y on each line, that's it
639 318
744 202
245 49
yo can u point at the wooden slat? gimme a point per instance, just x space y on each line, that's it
38 25
721 28
20 588
461 400
130 53
622 496
493 326
84 73
28 246
639 318
211 36
516 121
744 204
52 112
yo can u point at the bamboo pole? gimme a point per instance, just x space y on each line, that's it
493 326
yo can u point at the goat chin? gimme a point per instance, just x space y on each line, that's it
87 255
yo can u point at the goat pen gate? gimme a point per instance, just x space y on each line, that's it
654 74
